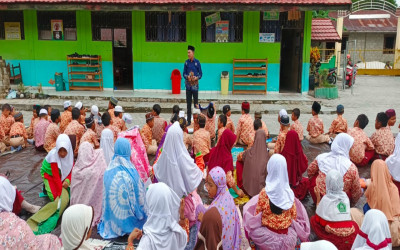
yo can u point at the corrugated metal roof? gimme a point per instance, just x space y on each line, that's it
323 30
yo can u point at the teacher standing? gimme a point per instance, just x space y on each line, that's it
192 74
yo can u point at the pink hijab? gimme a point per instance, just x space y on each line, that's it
87 179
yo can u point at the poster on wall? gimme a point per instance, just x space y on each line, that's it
270 15
57 29
12 30
120 38
267 38
211 19
222 31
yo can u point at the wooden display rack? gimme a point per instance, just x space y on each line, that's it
85 69
261 71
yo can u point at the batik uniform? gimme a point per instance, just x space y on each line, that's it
187 139
220 131
119 123
99 129
18 129
210 126
339 125
31 128
66 118
264 127
5 123
2 134
50 138
159 128
91 137
147 135
315 126
296 126
361 144
245 130
229 124
114 130
280 142
75 128
350 179
111 112
40 132
196 126
201 141
383 141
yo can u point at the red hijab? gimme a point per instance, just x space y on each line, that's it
221 156
297 162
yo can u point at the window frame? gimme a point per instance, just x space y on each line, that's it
20 14
278 28
109 20
49 15
389 50
204 27
181 26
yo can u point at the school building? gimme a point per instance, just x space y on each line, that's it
142 41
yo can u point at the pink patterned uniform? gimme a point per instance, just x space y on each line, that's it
147 135
75 128
119 123
220 131
91 137
159 128
201 141
339 125
114 130
66 118
5 123
229 124
361 144
40 132
383 141
315 126
280 142
296 126
50 138
245 130
210 126
18 129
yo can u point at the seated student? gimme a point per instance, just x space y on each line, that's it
164 205
226 110
296 125
383 195
280 142
15 232
49 109
66 116
75 128
174 118
210 120
393 163
94 113
52 131
339 125
332 220
127 118
374 232
107 122
337 159
76 227
221 156
245 130
196 114
222 200
250 166
6 120
40 130
315 127
362 150
297 164
222 120
258 115
90 134
382 138
57 166
159 123
87 176
117 120
201 138
276 219
107 144
271 145
34 120
210 232
82 110
391 114
18 134
111 106
147 135
187 139
122 213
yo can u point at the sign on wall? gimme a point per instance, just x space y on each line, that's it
57 29
222 31
12 30
211 19
270 15
267 38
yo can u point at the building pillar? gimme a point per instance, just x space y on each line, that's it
396 63
338 46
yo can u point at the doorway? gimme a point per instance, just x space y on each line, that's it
122 59
291 60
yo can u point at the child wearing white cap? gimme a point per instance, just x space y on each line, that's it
40 130
66 116
94 113
117 120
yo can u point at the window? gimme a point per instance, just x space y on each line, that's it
234 30
104 23
388 44
345 39
270 26
56 25
165 26
13 17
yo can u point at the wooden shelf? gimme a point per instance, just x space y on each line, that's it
84 80
249 68
250 60
263 92
249 83
250 76
84 73
84 58
85 88
88 69
84 65
245 65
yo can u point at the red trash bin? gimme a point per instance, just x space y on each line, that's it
176 81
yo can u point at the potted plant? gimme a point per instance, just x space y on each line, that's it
40 91
315 57
22 89
324 89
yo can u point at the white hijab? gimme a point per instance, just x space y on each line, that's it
175 167
75 226
375 228
161 228
7 195
320 244
335 205
339 157
107 144
277 183
64 164
393 161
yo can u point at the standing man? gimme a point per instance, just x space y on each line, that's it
192 74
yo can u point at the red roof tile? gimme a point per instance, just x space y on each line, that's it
166 2
323 30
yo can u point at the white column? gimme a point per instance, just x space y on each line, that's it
338 45
396 63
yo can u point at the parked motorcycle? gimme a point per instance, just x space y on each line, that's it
332 76
351 72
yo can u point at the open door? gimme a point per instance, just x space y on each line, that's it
122 59
291 60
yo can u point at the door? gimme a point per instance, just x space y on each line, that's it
122 59
291 60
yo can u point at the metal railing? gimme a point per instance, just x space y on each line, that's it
326 55
373 5
373 58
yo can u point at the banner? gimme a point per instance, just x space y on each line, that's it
57 29
211 19
267 38
12 30
222 32
270 15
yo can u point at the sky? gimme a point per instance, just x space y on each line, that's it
398 2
